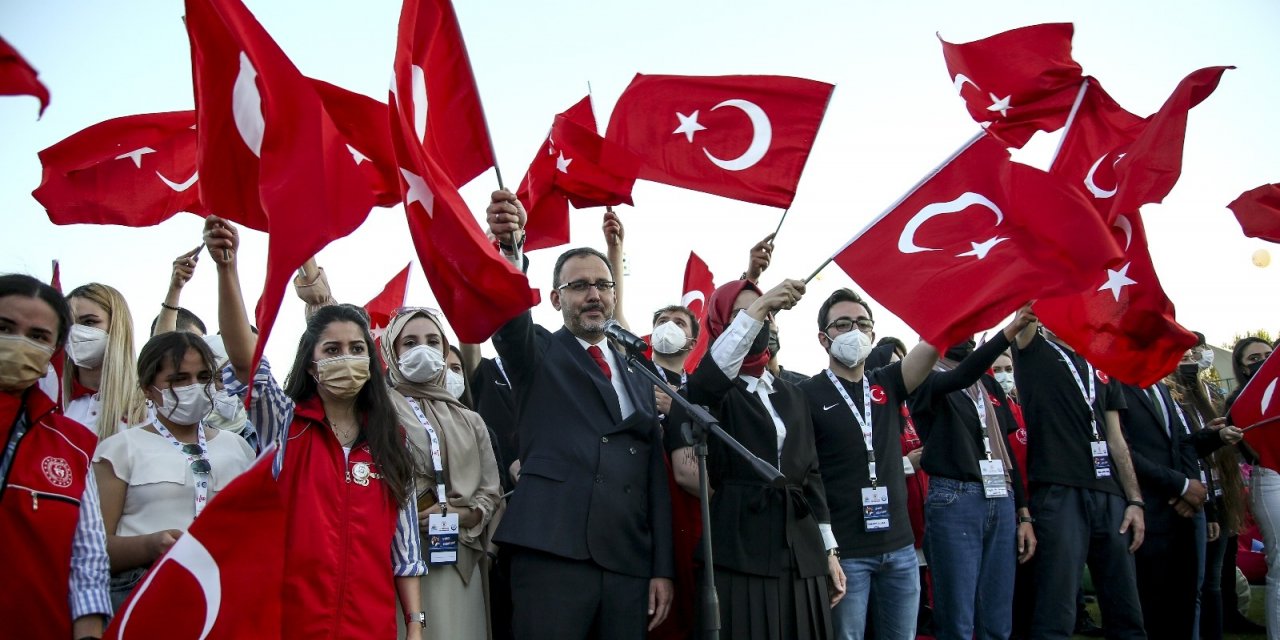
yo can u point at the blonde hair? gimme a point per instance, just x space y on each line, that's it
122 399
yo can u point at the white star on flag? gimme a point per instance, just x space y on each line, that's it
688 125
418 191
136 155
980 249
1117 281
360 157
1000 104
562 163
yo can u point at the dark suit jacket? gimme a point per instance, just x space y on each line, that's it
1162 460
592 485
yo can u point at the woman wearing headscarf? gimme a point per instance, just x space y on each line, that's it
770 544
456 475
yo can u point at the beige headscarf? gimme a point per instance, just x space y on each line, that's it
470 467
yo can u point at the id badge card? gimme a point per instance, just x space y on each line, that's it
442 538
993 485
1217 482
875 508
1101 461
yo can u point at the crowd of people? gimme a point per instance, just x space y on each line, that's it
952 491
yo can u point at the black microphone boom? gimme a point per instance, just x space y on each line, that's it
630 342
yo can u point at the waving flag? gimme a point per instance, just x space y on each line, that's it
741 137
1258 405
573 165
384 305
1258 212
984 234
1017 82
478 290
266 146
698 287
134 171
18 78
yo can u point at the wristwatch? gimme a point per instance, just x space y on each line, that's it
419 617
1136 503
833 552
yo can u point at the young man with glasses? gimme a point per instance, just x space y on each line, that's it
590 521
858 424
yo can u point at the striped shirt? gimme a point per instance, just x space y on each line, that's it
271 412
90 569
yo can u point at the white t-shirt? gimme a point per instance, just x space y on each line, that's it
85 410
161 493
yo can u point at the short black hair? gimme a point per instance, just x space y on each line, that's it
186 320
836 297
574 253
898 345
674 308
19 284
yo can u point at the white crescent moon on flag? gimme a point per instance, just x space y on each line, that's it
1266 395
761 137
692 296
1092 186
419 103
190 554
961 80
180 186
246 106
1122 223
906 241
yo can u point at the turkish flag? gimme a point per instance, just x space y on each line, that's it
1122 161
741 137
363 122
1017 82
439 87
698 286
1258 212
267 146
574 165
224 584
1259 405
384 305
477 289
1123 322
18 78
134 171
976 241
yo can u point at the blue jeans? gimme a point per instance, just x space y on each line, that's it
969 542
896 576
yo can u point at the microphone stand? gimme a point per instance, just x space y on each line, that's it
703 423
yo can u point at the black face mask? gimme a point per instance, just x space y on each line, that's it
773 343
761 342
1253 368
961 351
1189 370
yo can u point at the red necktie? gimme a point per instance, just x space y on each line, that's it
598 356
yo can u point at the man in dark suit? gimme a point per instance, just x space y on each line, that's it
590 520
1164 459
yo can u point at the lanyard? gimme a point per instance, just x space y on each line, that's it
436 461
202 483
1075 377
980 404
864 420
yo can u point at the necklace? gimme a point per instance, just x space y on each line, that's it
345 435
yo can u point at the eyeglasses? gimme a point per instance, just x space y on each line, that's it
581 286
844 325
200 465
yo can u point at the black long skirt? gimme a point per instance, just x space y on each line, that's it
766 608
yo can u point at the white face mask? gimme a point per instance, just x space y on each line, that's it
454 383
228 412
668 338
1206 359
86 345
851 348
1006 381
185 405
421 363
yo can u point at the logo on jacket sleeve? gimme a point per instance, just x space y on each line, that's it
877 394
57 471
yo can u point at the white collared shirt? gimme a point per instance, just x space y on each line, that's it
616 365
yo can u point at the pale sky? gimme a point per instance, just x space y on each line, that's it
893 117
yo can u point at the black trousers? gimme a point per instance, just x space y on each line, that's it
555 598
1073 527
1167 570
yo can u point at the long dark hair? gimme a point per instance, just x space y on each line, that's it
171 346
380 426
17 284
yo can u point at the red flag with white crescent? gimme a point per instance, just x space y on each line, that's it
741 137
225 574
698 287
1259 405
384 305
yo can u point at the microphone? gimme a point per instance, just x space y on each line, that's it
630 342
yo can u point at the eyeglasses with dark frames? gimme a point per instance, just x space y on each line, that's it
581 286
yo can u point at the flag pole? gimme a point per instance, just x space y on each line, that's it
928 176
1071 118
1260 424
783 219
